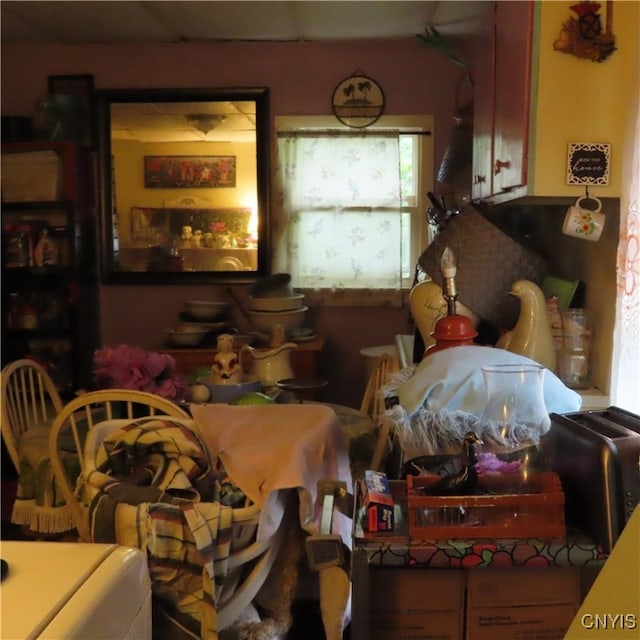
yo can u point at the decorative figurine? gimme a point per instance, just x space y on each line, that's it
531 336
226 367
462 483
186 236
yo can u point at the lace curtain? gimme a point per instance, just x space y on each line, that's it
337 226
625 379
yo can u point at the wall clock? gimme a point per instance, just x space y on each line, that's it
358 101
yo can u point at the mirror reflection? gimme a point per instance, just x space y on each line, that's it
186 180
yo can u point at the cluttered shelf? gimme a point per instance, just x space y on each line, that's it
303 357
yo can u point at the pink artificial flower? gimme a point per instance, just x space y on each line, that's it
489 463
130 367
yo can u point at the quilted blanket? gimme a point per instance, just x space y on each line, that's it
154 489
39 503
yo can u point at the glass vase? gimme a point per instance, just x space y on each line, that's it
514 420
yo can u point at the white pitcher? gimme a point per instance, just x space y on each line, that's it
271 364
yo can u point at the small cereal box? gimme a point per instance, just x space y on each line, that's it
378 502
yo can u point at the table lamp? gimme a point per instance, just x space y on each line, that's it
453 329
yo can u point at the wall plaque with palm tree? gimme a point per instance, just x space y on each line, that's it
358 101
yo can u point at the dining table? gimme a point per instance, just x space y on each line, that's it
270 450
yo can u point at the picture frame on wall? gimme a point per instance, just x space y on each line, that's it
189 172
76 100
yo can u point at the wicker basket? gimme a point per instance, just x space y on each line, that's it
536 511
489 262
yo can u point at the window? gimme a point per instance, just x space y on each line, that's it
351 212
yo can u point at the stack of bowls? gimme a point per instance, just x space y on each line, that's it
273 302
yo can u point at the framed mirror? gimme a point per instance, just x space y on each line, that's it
184 178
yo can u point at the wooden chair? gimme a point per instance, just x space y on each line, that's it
373 404
29 400
78 417
86 419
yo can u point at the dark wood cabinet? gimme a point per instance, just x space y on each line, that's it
49 283
502 78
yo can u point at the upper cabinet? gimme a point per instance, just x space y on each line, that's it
502 110
532 100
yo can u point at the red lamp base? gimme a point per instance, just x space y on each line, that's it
451 331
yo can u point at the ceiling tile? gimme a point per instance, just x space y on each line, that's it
170 21
84 22
229 20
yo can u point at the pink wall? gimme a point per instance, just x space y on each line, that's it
301 78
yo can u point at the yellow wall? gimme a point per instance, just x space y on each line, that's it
129 176
578 100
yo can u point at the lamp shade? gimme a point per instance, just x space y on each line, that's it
489 261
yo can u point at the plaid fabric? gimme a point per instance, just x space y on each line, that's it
159 452
154 490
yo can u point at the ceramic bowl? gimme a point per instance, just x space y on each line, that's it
229 392
206 310
286 303
183 337
267 320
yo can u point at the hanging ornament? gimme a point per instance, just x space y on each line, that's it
358 101
583 36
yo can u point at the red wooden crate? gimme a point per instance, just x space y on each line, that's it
513 508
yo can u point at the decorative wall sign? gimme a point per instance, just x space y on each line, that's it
588 163
358 101
583 36
177 172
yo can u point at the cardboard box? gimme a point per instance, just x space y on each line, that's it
32 176
547 622
417 590
426 625
521 603
521 586
413 604
378 502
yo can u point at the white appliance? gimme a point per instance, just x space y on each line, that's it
74 591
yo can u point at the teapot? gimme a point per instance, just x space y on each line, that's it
271 364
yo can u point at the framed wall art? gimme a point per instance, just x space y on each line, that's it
588 163
189 172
